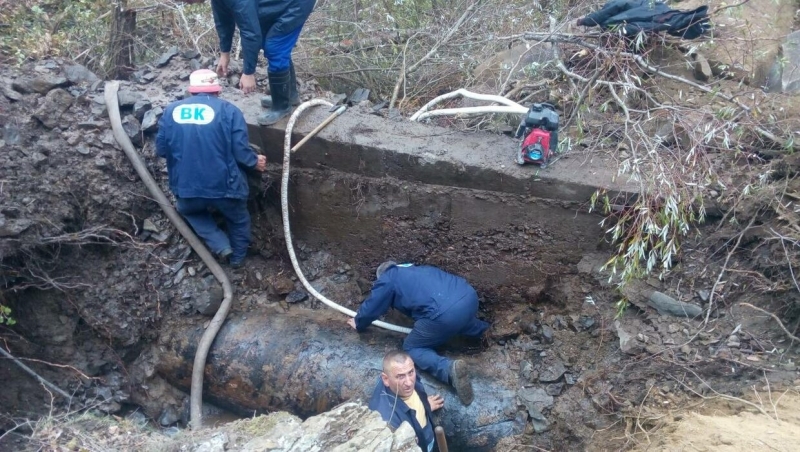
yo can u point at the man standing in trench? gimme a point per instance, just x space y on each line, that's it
205 142
400 397
442 306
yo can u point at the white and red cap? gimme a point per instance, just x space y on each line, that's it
204 81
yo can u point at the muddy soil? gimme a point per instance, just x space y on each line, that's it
94 275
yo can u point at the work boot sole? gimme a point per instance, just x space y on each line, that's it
273 116
459 376
266 102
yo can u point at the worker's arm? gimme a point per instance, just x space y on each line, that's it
240 141
229 14
161 137
379 301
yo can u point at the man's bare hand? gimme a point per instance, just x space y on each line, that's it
352 322
436 402
261 162
248 83
222 64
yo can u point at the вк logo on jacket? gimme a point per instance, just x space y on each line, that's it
199 114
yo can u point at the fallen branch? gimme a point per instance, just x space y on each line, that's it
576 39
415 66
724 267
31 372
780 324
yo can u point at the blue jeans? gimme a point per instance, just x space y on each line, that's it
278 50
430 333
197 213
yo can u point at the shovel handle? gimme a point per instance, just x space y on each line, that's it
440 439
322 125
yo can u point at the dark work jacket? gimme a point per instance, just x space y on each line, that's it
422 292
205 142
281 17
648 16
394 411
229 14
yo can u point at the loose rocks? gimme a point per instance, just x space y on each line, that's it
55 104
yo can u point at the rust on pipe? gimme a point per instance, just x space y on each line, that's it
307 361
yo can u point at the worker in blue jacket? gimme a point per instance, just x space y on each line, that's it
442 306
400 397
205 142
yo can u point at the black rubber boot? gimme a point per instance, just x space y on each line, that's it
294 96
460 380
279 86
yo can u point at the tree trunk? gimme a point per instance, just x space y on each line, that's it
121 51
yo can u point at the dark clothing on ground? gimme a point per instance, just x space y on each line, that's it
649 16
230 14
394 411
442 306
205 142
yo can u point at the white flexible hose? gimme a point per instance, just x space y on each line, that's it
512 107
287 232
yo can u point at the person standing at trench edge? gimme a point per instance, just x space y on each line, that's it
278 23
205 142
442 306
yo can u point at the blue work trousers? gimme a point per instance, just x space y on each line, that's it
197 212
430 333
278 50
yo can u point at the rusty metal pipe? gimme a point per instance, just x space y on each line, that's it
308 361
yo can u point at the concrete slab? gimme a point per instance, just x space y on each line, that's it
368 145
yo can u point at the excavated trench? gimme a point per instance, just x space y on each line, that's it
518 252
521 252
365 190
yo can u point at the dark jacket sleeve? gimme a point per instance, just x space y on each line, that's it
161 137
240 146
379 301
229 14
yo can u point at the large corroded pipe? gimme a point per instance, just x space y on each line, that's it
305 362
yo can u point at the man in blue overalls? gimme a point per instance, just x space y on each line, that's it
205 142
442 306
400 397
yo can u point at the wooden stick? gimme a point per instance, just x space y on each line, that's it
774 317
321 126
440 438
30 371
